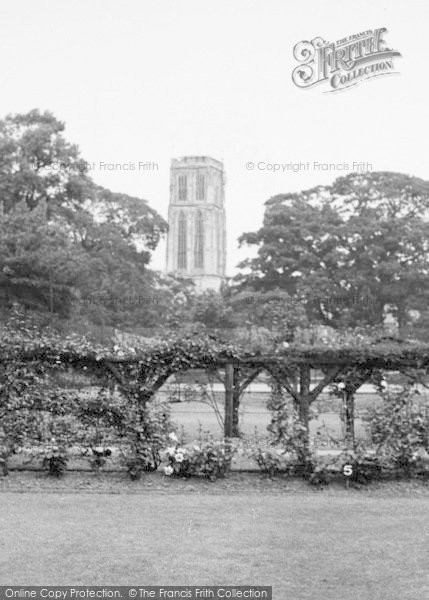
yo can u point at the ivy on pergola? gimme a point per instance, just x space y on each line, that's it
140 372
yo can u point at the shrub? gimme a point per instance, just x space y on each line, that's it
273 461
55 461
366 466
400 431
211 460
146 432
99 458
286 430
3 466
321 470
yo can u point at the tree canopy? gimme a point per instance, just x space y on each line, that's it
347 250
67 243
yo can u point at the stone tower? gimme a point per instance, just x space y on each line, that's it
196 245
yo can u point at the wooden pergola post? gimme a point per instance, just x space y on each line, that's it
349 406
235 404
229 399
304 396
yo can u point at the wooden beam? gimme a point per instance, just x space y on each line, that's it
329 378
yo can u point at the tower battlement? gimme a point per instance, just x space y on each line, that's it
195 162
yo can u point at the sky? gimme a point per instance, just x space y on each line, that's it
144 81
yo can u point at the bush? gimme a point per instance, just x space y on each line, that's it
99 458
366 466
3 467
274 461
55 461
211 460
400 431
286 430
146 433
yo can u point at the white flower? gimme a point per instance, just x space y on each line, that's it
196 448
168 470
179 457
341 385
170 450
173 437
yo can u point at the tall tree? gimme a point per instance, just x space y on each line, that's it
92 242
346 250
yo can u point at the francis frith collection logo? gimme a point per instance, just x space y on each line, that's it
344 63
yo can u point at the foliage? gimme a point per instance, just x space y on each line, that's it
273 461
366 466
211 310
273 310
347 250
286 429
145 433
55 461
211 459
68 246
38 262
400 429
36 409
99 458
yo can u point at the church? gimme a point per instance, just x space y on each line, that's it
196 243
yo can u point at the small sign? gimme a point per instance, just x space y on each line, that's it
348 470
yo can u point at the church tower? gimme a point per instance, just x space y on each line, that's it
196 245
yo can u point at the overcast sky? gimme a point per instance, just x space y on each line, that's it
142 81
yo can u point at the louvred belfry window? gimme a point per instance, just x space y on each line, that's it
183 187
199 241
200 186
182 242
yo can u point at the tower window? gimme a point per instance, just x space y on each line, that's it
181 242
199 241
183 187
200 186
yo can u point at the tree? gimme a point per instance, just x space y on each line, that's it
38 164
86 242
38 264
274 311
346 250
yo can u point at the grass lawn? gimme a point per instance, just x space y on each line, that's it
254 418
314 545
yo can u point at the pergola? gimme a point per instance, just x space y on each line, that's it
141 372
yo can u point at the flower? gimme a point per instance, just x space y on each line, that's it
173 437
196 448
170 450
168 470
341 385
179 457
